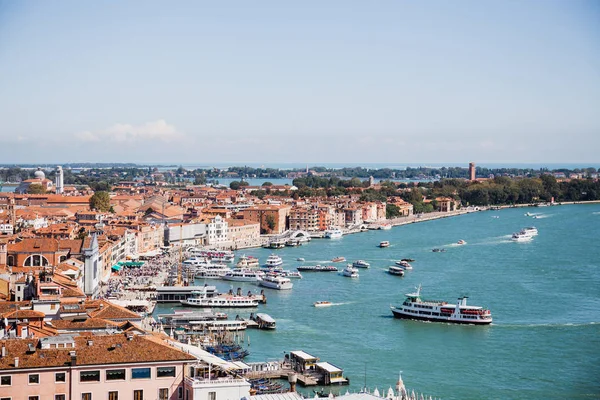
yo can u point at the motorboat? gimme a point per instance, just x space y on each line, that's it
350 271
338 259
408 259
403 264
243 275
264 321
333 233
276 244
300 259
273 261
528 214
199 299
247 262
439 250
394 270
416 308
461 242
322 304
290 274
495 216
521 237
530 230
384 243
361 264
317 268
275 281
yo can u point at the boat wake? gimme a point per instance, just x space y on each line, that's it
541 216
596 213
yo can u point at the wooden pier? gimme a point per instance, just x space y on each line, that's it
283 373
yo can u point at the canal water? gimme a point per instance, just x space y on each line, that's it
544 296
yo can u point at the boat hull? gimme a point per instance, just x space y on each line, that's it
278 286
209 305
401 315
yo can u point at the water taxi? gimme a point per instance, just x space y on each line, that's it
338 259
361 264
521 237
393 270
403 264
384 243
300 259
350 271
461 242
322 304
416 308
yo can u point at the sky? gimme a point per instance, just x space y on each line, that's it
308 81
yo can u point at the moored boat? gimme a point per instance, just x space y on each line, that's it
264 321
393 270
361 264
243 275
199 299
275 281
416 308
333 233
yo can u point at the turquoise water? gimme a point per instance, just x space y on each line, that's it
544 296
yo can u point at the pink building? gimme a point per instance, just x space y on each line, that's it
92 367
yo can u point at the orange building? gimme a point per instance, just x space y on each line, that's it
272 218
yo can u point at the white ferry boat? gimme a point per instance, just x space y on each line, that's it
361 264
243 275
273 261
278 282
393 270
214 271
200 300
333 233
247 262
350 271
440 311
404 264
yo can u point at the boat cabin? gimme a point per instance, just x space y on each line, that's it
332 375
302 362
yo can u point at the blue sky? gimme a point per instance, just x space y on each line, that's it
310 81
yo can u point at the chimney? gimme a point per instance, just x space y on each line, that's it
3 351
90 342
16 362
73 355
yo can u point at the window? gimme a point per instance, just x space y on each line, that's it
115 375
180 392
162 372
86 396
212 395
140 373
6 380
113 395
163 394
34 397
60 377
138 395
34 379
5 398
89 376
59 397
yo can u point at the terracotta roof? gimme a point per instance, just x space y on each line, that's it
90 323
104 349
110 311
21 314
7 306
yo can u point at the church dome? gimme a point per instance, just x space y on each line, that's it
39 174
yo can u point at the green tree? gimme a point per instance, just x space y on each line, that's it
100 201
392 211
270 220
36 188
234 185
267 184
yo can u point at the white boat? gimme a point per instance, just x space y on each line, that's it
386 227
199 299
274 281
414 307
264 321
530 230
528 214
290 274
333 233
461 242
360 264
273 261
521 237
243 275
384 243
404 265
322 304
393 270
300 259
247 262
350 271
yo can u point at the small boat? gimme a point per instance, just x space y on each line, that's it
530 230
338 259
495 216
322 304
461 242
350 271
408 259
393 270
403 264
264 321
521 237
300 259
333 233
290 274
360 264
384 243
439 250
528 214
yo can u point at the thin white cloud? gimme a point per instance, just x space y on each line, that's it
126 133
